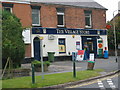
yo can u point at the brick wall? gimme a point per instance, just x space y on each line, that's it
23 12
27 50
74 17
48 16
99 19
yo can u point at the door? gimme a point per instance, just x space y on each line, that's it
91 43
36 42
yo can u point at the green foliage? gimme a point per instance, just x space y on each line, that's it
38 63
111 33
12 41
49 80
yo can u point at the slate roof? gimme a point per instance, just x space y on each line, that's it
78 3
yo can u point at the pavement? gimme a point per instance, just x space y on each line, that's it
109 65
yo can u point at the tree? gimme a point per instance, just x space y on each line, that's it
111 33
12 40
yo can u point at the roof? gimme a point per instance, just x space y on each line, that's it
78 3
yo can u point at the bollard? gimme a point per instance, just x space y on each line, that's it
74 69
33 74
91 62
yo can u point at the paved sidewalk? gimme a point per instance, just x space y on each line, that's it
108 65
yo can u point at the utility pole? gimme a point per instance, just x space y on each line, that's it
116 56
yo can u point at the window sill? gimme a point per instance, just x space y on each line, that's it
60 26
89 27
37 25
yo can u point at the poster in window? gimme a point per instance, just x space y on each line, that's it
62 47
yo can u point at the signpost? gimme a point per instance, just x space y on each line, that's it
41 49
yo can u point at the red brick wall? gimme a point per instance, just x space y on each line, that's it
48 16
23 12
74 17
28 50
99 19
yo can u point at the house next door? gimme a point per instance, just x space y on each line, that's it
36 43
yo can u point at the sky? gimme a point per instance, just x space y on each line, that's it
111 5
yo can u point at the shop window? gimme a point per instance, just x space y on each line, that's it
62 47
60 17
88 19
35 15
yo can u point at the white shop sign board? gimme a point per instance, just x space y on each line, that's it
92 58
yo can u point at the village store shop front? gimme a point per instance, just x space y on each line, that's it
64 41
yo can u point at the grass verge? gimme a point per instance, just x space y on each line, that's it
49 80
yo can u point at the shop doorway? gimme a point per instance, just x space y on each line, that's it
90 42
36 43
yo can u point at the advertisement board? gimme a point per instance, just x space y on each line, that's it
80 55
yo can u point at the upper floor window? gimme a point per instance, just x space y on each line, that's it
7 7
88 19
35 15
60 17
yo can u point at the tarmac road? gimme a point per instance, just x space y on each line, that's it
107 83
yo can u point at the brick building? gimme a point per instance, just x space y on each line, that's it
64 26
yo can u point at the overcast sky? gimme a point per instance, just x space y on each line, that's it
111 5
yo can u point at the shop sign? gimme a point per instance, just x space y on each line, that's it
78 45
100 45
68 31
80 55
92 58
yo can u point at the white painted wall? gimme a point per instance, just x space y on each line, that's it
52 45
105 42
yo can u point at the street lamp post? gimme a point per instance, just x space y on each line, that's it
115 36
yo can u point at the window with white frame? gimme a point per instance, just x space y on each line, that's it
88 19
35 17
60 17
7 7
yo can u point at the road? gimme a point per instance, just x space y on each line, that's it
107 83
